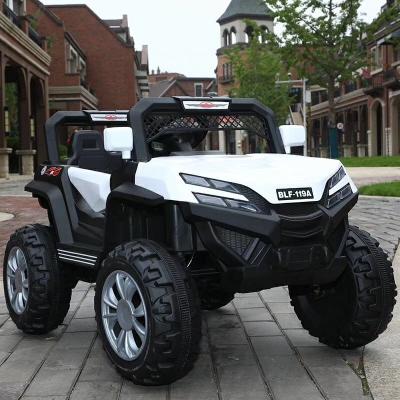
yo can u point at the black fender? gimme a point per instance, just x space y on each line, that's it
56 206
128 210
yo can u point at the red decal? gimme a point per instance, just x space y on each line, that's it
111 117
53 171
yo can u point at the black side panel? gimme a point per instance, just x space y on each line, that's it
52 194
136 195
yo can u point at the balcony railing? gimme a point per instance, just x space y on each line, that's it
373 86
34 36
11 15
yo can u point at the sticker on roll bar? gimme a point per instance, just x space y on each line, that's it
205 105
109 117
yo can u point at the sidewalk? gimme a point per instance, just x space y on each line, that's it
367 176
252 349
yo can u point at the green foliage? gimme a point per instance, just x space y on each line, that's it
11 95
389 161
63 151
13 142
325 40
256 68
391 189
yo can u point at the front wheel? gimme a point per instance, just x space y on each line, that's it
147 313
357 308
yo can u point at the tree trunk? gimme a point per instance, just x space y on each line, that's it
331 104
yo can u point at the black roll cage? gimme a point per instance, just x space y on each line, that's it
135 119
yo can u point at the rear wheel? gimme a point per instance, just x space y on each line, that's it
37 291
355 309
147 313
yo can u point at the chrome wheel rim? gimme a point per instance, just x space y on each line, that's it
124 315
17 280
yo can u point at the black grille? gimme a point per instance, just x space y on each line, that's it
236 241
156 124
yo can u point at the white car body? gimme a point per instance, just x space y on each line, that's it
263 173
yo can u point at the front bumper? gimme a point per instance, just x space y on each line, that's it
293 245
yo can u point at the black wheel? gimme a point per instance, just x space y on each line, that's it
37 291
147 313
213 295
354 310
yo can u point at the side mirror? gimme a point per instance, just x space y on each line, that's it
119 139
293 136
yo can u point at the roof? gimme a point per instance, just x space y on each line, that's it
159 88
241 9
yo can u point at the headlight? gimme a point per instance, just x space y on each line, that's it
337 178
227 203
342 193
209 183
339 196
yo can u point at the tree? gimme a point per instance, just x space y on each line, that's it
256 68
325 40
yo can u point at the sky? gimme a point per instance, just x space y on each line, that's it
182 35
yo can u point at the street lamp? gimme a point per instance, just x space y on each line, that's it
304 83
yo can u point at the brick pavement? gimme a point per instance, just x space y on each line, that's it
254 348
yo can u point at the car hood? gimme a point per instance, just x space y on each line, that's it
263 173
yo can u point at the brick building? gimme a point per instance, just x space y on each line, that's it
180 85
69 88
110 57
24 76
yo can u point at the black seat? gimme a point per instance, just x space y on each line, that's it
88 153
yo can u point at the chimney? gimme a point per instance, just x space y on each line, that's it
124 21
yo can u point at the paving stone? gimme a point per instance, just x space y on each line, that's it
9 328
133 392
224 337
7 343
52 381
61 359
85 312
275 295
338 381
321 356
288 321
96 391
76 340
44 397
281 308
234 355
82 325
18 371
248 302
238 383
246 294
301 338
254 314
98 367
199 384
262 328
11 391
31 350
287 377
224 321
270 346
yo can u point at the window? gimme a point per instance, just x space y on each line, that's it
376 57
226 38
249 31
198 89
233 36
227 72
